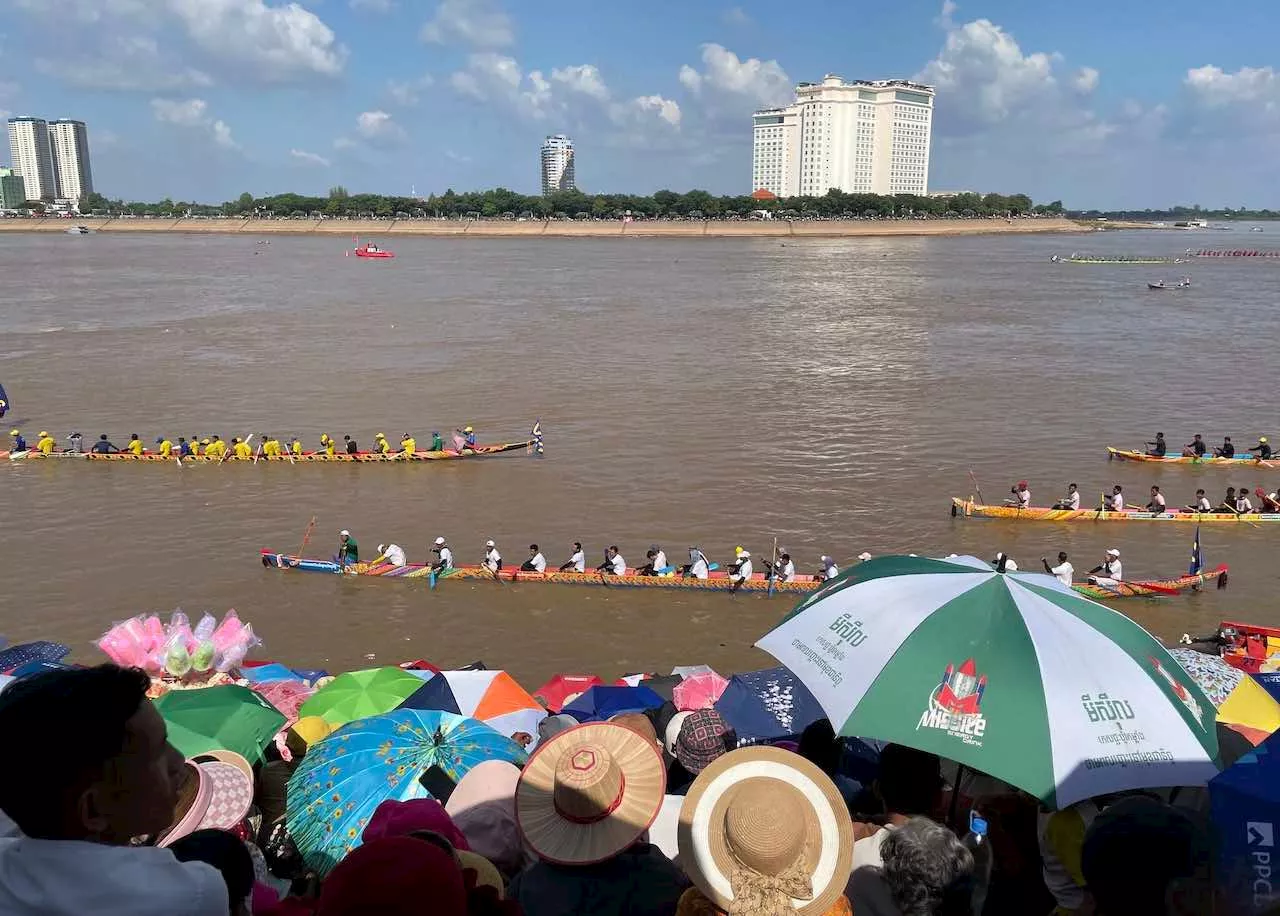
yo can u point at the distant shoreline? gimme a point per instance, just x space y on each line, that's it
780 229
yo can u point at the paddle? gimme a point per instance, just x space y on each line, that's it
773 570
306 535
229 452
977 489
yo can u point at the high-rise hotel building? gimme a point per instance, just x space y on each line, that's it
557 165
862 137
52 157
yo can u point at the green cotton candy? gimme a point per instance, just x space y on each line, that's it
202 660
177 661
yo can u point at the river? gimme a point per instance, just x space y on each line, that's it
830 393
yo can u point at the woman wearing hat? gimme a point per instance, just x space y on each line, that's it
764 832
584 805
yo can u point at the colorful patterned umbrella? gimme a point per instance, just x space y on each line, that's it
493 697
345 777
698 691
1243 704
1013 675
228 717
564 687
286 696
359 694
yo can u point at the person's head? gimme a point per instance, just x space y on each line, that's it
533 549
228 855
650 554
1022 484
1196 438
1226 438
1231 491
1200 492
613 550
344 536
344 438
577 545
818 745
103 437
1117 489
395 876
704 738
1072 487
1142 857
1154 489
1062 556
133 437
926 867
98 764
784 557
1113 553
910 781
1159 435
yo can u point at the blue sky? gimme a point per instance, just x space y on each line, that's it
1097 103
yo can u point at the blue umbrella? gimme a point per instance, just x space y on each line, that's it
1270 682
37 667
1245 801
768 705
41 651
596 704
269 674
310 675
345 777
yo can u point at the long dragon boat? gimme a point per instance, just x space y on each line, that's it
970 509
1106 259
716 581
1246 460
447 454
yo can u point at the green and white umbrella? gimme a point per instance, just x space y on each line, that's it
1014 675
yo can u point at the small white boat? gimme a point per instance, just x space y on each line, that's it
79 230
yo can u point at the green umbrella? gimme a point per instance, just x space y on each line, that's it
360 694
227 717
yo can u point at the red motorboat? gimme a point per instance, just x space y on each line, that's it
370 250
1246 646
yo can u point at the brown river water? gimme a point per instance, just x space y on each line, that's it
830 393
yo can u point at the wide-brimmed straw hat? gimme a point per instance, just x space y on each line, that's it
589 793
764 831
217 795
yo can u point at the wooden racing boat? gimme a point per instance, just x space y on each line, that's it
717 580
1239 461
969 509
447 454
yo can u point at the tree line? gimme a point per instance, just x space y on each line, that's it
1181 212
500 203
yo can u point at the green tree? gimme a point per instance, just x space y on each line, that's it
338 192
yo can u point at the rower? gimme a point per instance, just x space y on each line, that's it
1201 504
1227 451
741 569
578 559
270 446
135 445
1267 502
1112 571
1196 449
352 447
1021 496
536 562
103 446
492 559
1158 448
327 445
444 555
19 443
1262 449
829 569
1063 571
1009 565
1243 503
77 442
1156 503
613 563
1114 502
348 549
184 447
241 449
408 445
469 437
381 445
657 561
201 448
165 447
195 445
437 441
785 569
1228 503
216 448
295 446
647 568
1071 500
392 553
698 567
45 444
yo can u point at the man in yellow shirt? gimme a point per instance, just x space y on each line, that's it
408 444
295 446
216 448
166 447
45 444
241 449
326 445
270 446
381 445
135 446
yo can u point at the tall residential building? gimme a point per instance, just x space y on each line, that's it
557 164
69 143
862 137
13 190
32 158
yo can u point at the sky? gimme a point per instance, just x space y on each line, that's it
1096 103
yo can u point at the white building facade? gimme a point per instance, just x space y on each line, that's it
69 143
558 165
862 137
32 158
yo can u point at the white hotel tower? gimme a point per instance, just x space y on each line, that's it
862 137
558 165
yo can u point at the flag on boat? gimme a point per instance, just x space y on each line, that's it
536 432
1197 556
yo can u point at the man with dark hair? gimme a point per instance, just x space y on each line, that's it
92 770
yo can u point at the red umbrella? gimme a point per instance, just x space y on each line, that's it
698 691
564 687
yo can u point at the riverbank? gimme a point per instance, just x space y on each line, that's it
559 228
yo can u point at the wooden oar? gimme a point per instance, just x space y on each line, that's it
306 535
977 489
1158 589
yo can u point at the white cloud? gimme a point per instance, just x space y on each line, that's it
371 6
302 155
1214 87
193 114
665 109
584 79
125 63
737 82
406 93
478 23
280 43
378 126
1085 80
493 77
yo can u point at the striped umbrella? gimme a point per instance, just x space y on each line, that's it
1014 675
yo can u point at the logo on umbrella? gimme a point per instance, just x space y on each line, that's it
954 704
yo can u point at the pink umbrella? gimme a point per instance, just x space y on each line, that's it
698 691
286 696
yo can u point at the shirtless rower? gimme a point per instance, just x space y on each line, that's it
1156 504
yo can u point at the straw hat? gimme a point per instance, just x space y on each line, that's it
764 831
217 794
487 874
589 793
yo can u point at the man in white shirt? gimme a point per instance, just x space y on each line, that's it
659 560
1115 502
741 571
1021 495
829 569
1243 503
1009 565
786 569
1071 500
536 562
1063 571
1157 503
393 554
1111 571
698 567
444 554
577 562
1201 504
613 562
93 770
492 559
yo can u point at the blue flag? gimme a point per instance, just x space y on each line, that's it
4 402
1197 557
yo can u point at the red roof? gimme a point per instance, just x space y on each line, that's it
762 194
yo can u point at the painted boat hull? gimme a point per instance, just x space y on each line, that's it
717 581
1240 461
969 509
1256 648
479 451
